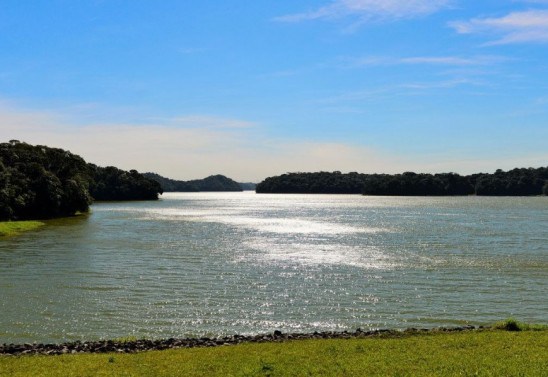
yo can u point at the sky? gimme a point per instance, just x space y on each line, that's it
251 89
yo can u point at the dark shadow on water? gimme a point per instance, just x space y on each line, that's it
75 220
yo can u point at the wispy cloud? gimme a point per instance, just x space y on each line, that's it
542 101
205 122
241 153
516 27
440 60
451 60
388 92
456 61
191 50
367 10
282 73
190 146
446 84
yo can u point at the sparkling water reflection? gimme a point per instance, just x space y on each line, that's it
222 263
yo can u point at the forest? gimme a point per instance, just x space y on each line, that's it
211 183
516 182
39 182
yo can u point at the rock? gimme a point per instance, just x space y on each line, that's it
104 346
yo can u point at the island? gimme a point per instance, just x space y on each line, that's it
212 183
516 182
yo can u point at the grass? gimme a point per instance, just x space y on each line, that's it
472 353
511 324
14 228
125 339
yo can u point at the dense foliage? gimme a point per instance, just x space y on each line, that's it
41 182
313 183
211 183
38 182
516 182
111 183
216 183
412 184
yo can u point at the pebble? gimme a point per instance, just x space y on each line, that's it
104 346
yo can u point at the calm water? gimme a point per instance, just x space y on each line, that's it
216 264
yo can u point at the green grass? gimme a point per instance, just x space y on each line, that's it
472 353
125 339
13 228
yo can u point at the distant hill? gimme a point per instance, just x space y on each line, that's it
39 182
516 182
248 186
211 183
171 185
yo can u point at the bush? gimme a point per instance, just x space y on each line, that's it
509 325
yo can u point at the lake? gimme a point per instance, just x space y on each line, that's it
212 264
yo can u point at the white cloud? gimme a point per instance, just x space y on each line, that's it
206 121
446 84
425 60
190 146
243 154
439 60
516 27
389 92
370 10
450 60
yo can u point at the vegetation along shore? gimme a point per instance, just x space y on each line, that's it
138 345
39 182
508 348
516 182
13 228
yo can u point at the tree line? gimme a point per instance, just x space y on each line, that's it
39 182
211 183
516 182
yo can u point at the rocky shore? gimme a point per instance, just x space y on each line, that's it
106 346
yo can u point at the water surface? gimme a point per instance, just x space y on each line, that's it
195 264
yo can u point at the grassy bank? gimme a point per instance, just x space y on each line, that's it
13 228
489 353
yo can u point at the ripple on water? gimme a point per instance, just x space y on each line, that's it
223 263
309 253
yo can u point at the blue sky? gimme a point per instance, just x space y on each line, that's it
256 88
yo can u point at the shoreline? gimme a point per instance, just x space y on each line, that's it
142 345
18 227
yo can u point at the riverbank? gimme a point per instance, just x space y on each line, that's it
14 228
412 352
140 345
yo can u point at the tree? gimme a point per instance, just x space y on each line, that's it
42 182
515 182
